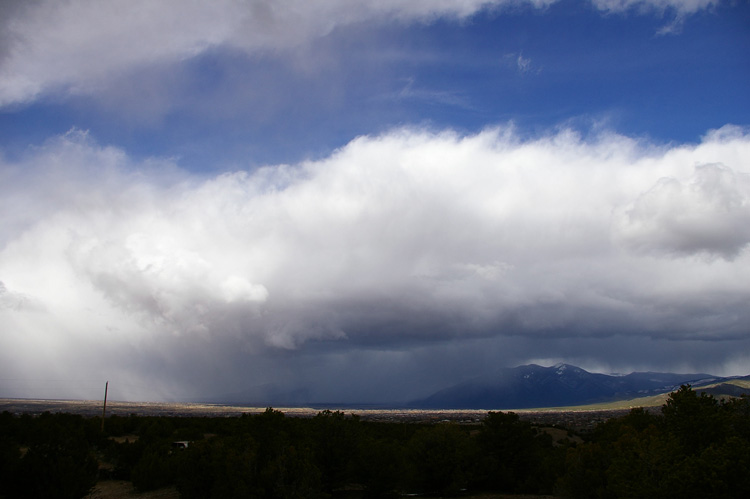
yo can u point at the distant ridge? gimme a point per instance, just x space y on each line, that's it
563 385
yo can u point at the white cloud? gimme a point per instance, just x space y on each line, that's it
406 237
709 213
523 63
82 46
682 7
77 45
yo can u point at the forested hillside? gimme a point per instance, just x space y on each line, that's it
697 446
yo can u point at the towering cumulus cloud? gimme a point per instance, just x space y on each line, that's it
410 237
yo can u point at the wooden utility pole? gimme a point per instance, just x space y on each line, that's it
104 409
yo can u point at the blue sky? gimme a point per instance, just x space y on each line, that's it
539 68
319 200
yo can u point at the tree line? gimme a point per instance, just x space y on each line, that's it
697 446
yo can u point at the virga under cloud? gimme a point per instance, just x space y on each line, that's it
436 240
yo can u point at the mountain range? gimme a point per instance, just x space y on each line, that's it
562 385
523 387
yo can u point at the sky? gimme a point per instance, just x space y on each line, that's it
365 201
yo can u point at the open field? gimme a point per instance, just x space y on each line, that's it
576 418
185 409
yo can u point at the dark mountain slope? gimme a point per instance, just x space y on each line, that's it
533 386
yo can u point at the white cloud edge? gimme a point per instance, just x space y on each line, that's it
680 7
